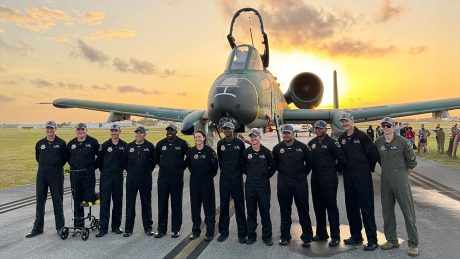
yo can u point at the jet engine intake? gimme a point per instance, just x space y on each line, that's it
305 91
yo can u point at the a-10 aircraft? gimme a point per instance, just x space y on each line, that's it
248 95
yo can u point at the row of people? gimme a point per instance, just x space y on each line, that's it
354 153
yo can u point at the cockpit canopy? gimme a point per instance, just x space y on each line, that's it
244 57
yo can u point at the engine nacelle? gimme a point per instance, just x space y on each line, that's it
305 91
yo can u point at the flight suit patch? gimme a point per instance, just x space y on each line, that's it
282 150
222 148
249 156
43 146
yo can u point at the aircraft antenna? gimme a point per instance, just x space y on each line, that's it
251 36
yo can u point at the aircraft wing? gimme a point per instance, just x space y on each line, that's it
371 113
120 109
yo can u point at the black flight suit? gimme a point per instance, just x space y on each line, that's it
203 166
170 157
258 167
324 183
293 164
82 160
362 156
230 156
111 162
370 133
139 159
51 157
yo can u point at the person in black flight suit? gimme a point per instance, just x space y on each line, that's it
111 164
292 160
325 151
169 155
50 153
230 151
140 161
370 132
83 151
202 164
258 167
362 156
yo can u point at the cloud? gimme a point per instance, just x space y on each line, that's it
357 48
91 54
387 11
42 83
71 86
59 38
136 89
297 24
22 48
4 99
417 50
140 67
98 87
33 18
182 94
112 34
90 17
8 82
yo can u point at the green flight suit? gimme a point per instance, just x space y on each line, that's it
396 158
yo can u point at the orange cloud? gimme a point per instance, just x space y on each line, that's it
33 18
59 38
112 34
90 17
417 50
387 11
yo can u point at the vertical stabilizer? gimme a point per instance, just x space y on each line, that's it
336 92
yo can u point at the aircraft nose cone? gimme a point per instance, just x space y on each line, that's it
233 97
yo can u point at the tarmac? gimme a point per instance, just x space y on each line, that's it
435 188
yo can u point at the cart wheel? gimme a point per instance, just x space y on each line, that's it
64 233
85 234
93 224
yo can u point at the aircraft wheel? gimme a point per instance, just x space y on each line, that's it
85 234
64 233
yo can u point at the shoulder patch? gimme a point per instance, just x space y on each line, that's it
337 144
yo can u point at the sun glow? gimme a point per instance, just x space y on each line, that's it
285 66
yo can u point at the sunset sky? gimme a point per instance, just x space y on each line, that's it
167 53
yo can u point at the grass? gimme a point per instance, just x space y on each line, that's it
17 154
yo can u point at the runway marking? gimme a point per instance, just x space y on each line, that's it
430 184
193 248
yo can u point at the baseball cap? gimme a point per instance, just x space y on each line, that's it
320 124
287 128
115 127
388 120
81 125
254 131
140 129
228 125
171 126
346 116
51 124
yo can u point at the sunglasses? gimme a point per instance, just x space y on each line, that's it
49 127
386 125
114 130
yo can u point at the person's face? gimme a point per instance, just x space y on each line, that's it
387 128
320 132
81 132
288 136
228 132
199 139
50 131
347 124
140 136
171 133
114 133
255 140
